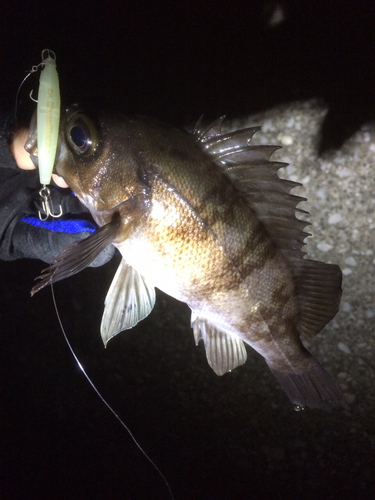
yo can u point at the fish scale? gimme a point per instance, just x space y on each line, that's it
171 246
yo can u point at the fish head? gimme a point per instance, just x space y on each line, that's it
95 158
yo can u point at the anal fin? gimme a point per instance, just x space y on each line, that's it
129 300
224 351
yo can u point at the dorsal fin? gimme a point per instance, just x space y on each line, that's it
213 130
318 285
251 171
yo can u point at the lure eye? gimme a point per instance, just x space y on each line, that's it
82 135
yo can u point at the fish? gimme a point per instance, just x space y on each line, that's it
204 217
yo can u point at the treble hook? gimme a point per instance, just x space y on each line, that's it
47 204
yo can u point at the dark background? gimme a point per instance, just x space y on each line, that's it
177 60
234 437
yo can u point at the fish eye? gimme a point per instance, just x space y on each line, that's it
82 135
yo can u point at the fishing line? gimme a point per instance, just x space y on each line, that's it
34 69
106 402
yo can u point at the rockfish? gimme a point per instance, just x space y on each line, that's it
205 218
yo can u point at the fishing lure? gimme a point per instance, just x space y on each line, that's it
48 116
43 138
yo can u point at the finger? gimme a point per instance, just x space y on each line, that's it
20 154
59 181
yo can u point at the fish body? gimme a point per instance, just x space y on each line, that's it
205 218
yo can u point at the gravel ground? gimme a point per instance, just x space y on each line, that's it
339 188
230 437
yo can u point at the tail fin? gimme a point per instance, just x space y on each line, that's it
313 387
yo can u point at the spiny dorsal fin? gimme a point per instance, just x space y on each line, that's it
213 130
224 352
252 172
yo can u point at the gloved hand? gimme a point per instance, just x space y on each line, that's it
33 238
22 234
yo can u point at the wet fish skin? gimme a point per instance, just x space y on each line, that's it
205 218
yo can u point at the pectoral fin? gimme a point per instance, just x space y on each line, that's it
224 351
129 299
75 257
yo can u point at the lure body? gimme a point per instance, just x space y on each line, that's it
48 117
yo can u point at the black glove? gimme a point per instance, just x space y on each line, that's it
22 234
44 240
